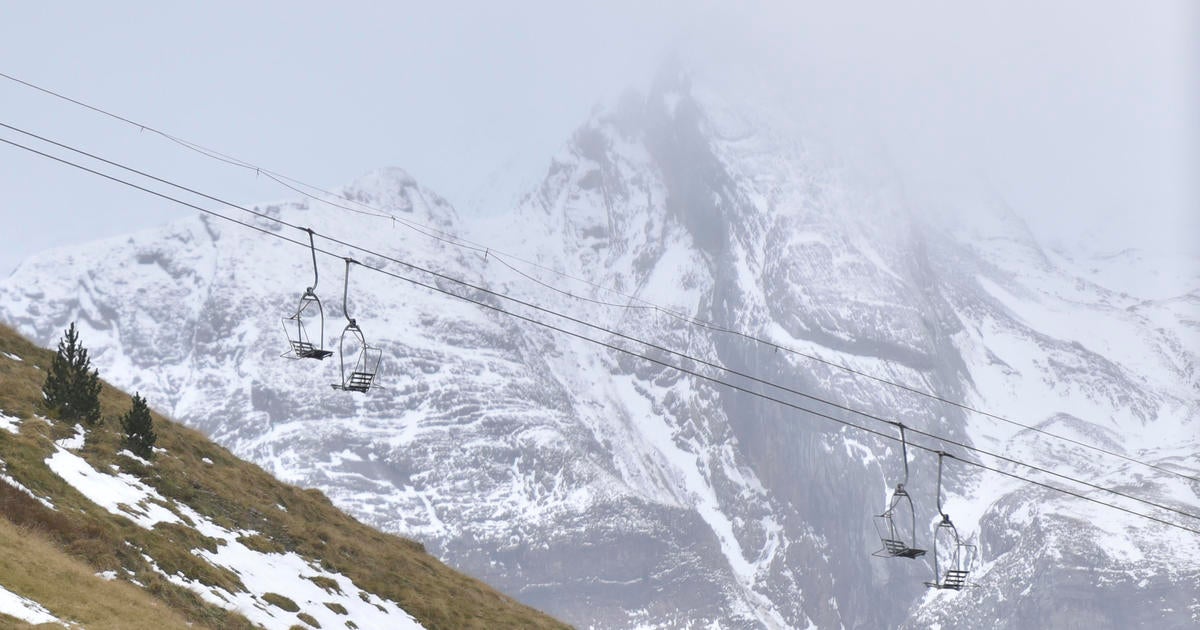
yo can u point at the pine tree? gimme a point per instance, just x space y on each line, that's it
70 388
139 430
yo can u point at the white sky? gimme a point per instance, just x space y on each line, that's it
1083 116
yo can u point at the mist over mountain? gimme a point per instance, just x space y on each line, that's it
614 492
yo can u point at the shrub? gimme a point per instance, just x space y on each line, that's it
279 601
330 585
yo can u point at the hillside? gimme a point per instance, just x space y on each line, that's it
97 538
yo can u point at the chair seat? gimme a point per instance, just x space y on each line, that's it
359 381
955 579
305 350
899 549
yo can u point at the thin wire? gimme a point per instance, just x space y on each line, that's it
618 334
468 244
626 350
568 293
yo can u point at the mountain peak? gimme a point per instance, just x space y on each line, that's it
385 177
393 191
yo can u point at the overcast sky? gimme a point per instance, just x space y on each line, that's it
1083 116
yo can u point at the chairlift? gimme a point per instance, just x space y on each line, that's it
366 358
958 556
899 506
309 310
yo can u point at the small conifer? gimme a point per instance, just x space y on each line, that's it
72 389
139 430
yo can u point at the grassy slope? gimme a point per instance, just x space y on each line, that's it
234 494
39 570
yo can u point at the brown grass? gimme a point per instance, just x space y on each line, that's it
36 568
329 585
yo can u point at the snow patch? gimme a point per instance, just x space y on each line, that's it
74 442
120 494
292 576
287 574
24 609
10 423
12 356
130 454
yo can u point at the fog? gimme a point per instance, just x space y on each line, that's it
1081 116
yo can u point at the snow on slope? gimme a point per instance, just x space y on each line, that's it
9 423
24 609
617 493
285 574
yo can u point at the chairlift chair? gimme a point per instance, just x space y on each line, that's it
309 309
894 544
365 364
890 533
952 558
302 346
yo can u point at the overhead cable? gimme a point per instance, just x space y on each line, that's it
615 333
633 353
458 241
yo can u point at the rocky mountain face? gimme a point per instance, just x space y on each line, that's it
616 492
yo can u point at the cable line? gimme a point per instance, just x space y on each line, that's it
627 351
466 243
599 328
644 304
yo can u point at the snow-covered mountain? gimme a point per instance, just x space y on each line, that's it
615 492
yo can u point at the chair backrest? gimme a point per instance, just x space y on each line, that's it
297 333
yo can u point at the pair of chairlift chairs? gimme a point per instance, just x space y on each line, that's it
353 350
952 557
